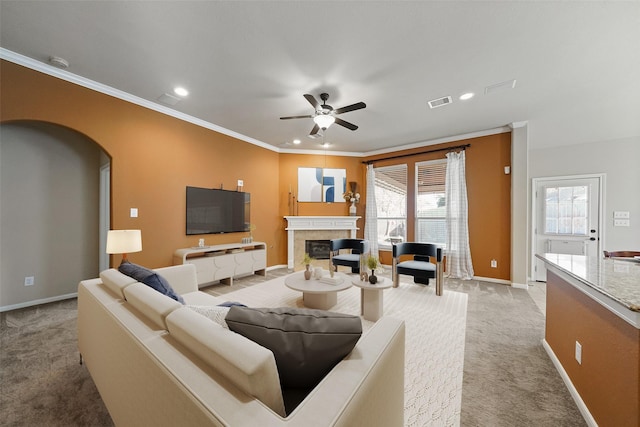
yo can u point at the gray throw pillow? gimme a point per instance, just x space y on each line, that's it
149 278
306 343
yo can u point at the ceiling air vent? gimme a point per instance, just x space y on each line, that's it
435 103
167 99
509 84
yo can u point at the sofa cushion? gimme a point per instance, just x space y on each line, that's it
306 343
149 278
152 304
249 366
116 281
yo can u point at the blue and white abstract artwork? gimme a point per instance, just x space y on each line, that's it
321 184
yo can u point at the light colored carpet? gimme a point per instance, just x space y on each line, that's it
508 377
435 337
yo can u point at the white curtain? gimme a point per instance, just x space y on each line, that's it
371 212
458 252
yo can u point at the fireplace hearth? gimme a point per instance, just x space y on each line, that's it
317 249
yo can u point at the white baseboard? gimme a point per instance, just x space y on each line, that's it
572 390
492 280
520 286
274 267
37 302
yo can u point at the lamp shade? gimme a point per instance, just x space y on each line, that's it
124 241
324 120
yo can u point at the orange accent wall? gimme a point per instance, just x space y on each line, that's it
489 194
608 380
155 156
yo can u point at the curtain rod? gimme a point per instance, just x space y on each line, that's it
368 162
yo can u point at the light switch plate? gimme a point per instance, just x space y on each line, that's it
621 223
620 214
134 213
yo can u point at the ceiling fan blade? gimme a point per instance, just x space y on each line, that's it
311 100
296 117
346 124
315 130
352 107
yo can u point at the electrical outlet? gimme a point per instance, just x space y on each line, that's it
494 263
579 353
29 281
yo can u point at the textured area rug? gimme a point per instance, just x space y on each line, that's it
435 338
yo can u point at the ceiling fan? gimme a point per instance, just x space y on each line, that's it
325 115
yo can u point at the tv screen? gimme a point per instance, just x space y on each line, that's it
213 211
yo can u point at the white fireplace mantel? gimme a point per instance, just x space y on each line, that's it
299 223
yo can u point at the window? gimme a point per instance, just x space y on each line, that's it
566 210
431 202
391 201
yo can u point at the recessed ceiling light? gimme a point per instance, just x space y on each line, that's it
466 96
326 145
296 141
180 91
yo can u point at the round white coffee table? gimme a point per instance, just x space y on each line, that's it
316 294
371 306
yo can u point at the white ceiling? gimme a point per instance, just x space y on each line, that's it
246 63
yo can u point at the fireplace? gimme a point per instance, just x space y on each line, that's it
317 249
318 228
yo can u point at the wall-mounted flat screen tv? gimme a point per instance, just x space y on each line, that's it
214 211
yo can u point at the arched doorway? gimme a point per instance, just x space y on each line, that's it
50 212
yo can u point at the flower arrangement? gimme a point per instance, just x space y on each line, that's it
351 196
306 260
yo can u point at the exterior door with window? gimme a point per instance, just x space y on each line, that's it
567 218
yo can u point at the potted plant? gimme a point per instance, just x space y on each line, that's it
307 260
373 264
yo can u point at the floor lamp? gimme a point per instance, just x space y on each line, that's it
124 242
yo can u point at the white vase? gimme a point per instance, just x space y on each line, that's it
352 209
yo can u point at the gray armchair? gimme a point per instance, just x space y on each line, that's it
426 263
355 258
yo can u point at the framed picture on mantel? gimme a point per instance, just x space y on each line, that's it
321 185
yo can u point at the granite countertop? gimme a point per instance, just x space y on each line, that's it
617 278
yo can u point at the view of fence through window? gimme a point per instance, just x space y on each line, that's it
391 202
566 210
431 202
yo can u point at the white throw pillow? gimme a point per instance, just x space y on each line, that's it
215 313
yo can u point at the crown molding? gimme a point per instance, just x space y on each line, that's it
39 66
477 134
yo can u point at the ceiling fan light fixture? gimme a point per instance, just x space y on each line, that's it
324 120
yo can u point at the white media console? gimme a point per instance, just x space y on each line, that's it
224 262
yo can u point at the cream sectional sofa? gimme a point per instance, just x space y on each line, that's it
156 362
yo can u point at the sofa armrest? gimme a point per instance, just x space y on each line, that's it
182 278
364 389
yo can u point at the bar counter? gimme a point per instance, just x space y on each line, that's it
616 279
592 334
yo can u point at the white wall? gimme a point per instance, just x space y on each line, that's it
49 188
620 161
